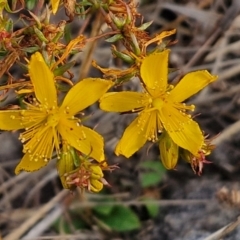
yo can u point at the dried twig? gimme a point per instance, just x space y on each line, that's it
224 231
26 226
227 133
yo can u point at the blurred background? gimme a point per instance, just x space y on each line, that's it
144 200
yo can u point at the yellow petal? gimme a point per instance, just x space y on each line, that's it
83 139
43 81
19 119
154 72
123 101
84 94
159 37
42 141
55 4
96 142
96 185
184 131
11 120
134 137
68 49
29 165
190 84
96 172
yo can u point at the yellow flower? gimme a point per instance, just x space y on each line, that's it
47 124
159 107
55 4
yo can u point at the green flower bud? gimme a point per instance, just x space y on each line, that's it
168 151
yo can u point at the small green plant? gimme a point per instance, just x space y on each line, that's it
152 173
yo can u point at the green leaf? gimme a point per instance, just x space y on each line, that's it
125 78
152 209
61 70
126 58
121 219
103 209
62 87
152 165
150 179
145 25
31 49
62 225
31 4
152 173
9 25
67 34
114 38
40 35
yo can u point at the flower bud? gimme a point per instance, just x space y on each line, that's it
65 165
40 34
119 22
114 38
126 58
168 151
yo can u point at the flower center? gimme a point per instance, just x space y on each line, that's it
53 119
157 103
